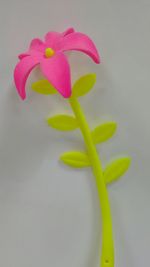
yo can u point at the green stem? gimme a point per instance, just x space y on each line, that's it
107 256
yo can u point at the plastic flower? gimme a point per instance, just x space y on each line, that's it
49 54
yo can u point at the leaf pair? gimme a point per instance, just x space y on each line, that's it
80 88
68 122
113 171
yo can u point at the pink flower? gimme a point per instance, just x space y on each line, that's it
52 60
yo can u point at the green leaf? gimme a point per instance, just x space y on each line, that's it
75 159
104 131
43 87
63 122
116 168
84 85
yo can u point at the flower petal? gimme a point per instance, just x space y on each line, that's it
80 42
68 31
56 69
52 39
21 73
37 44
37 47
21 56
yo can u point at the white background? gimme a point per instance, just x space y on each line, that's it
49 213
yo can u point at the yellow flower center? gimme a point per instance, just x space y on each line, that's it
49 52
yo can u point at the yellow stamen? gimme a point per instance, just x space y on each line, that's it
49 52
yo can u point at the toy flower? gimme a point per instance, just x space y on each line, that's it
49 54
55 67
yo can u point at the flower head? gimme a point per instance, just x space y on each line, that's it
49 54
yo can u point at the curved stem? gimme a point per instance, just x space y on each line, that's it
107 256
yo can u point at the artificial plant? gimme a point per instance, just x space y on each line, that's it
56 69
